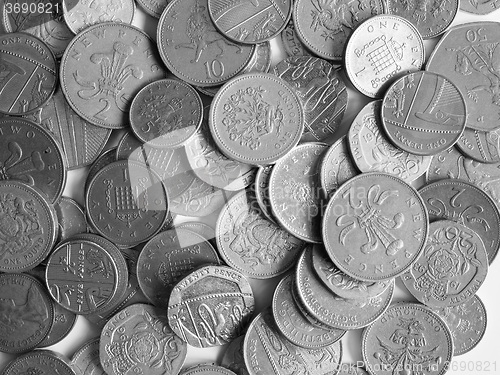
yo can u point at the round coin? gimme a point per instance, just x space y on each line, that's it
467 323
479 7
200 228
291 42
466 57
375 227
86 360
233 357
193 49
139 340
483 146
380 50
28 227
423 113
407 328
211 306
250 22
27 313
166 113
81 142
107 157
80 15
295 326
252 244
168 257
332 310
256 119
104 67
324 26
320 89
30 154
264 345
262 190
430 19
29 73
39 362
341 284
84 277
207 369
127 145
126 203
372 152
153 7
466 204
71 218
62 323
294 192
452 267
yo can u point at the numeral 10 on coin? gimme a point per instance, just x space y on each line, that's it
215 69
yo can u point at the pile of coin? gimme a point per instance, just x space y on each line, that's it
208 166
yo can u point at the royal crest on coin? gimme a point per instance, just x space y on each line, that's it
248 117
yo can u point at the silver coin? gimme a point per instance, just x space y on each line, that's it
41 362
466 204
294 191
206 369
250 243
107 157
71 218
321 90
292 44
407 328
233 357
86 359
200 228
127 145
372 151
479 7
295 326
452 267
330 309
153 7
266 351
483 146
467 323
262 191
211 306
379 51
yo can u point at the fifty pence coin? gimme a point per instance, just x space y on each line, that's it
81 142
256 119
483 146
166 113
372 151
375 227
81 14
168 257
29 154
126 203
27 312
86 360
193 49
104 67
467 58
452 267
264 345
250 22
70 218
294 191
336 167
250 243
294 325
233 357
29 73
324 26
380 50
407 328
28 227
430 19
466 204
330 309
467 323
423 113
39 362
321 90
138 340
211 306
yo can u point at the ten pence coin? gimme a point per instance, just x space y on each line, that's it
372 151
407 328
250 22
193 49
27 312
39 362
463 202
138 340
256 119
379 51
28 227
423 113
104 67
29 73
375 227
452 267
466 56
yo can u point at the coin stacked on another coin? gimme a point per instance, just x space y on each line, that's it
230 168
